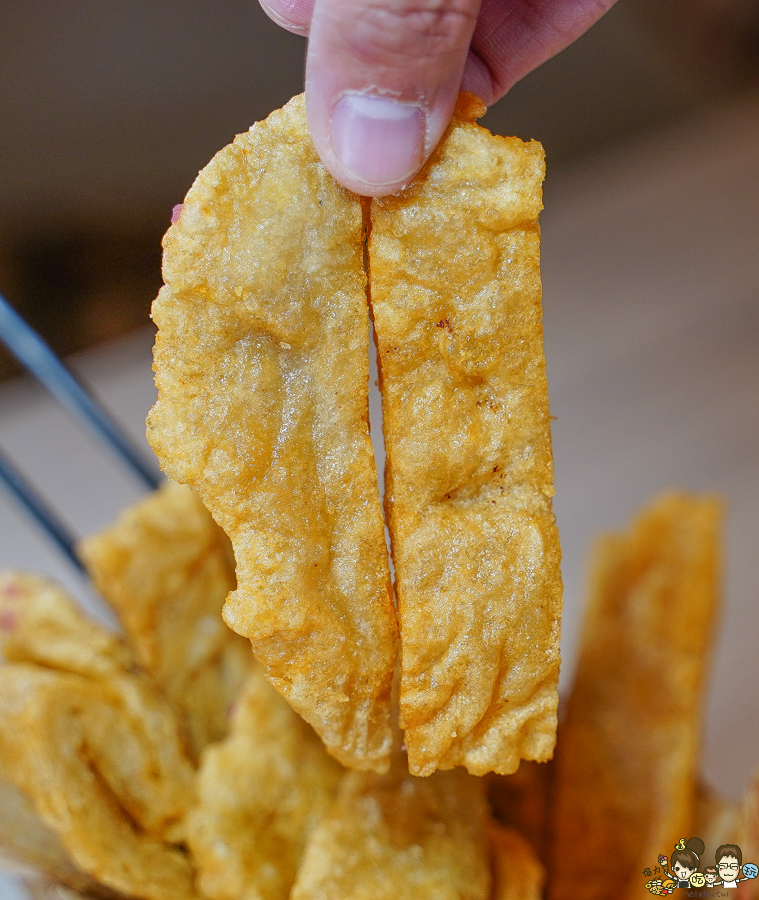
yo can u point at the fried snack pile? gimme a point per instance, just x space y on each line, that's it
262 369
98 793
99 789
455 290
261 365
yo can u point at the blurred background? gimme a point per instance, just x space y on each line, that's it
109 108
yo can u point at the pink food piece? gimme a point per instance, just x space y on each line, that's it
176 212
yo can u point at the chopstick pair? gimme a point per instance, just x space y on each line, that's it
34 354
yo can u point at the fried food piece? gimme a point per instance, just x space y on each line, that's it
40 624
53 730
262 370
140 750
166 569
260 794
455 291
395 837
626 766
521 802
26 843
517 872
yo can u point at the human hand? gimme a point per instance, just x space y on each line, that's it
382 76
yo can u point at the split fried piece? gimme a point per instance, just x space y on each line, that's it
262 370
67 747
517 872
260 794
166 569
395 837
625 780
455 291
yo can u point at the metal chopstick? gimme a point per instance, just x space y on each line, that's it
38 359
38 510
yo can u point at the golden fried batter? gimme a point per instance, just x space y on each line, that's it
141 754
40 624
260 793
26 842
517 872
165 567
455 291
262 371
395 837
626 765
66 746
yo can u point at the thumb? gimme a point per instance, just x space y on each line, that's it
382 78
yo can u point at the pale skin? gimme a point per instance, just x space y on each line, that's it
382 76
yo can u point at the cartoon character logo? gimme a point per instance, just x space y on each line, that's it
681 869
729 864
683 864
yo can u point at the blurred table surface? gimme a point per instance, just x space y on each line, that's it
651 312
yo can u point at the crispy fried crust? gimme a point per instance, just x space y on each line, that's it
262 370
626 765
165 568
395 837
455 292
260 794
40 624
67 745
136 738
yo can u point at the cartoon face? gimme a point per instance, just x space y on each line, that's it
710 878
728 868
683 872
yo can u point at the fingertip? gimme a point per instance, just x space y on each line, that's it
292 15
